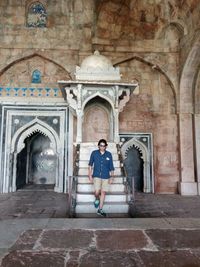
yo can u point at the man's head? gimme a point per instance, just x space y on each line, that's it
102 144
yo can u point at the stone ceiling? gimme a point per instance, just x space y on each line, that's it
142 19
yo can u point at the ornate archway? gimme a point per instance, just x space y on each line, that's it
146 156
17 144
97 120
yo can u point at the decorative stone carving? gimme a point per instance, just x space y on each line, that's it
124 96
145 150
97 68
36 76
37 16
92 80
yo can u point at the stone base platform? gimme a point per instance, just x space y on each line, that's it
102 242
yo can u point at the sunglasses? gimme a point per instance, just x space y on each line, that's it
102 145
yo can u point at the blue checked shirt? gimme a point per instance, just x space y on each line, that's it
103 164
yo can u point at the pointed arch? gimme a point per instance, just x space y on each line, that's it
188 78
147 175
32 56
95 112
139 145
36 14
36 125
178 24
101 96
153 66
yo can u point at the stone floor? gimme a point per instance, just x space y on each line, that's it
42 203
34 232
33 204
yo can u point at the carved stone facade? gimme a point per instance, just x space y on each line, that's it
20 123
153 44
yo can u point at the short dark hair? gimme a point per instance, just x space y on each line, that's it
102 141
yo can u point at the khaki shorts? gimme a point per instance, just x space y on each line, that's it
101 184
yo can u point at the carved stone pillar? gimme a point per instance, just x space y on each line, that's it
187 185
116 126
14 172
96 77
79 114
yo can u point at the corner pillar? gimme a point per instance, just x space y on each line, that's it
187 184
79 126
197 147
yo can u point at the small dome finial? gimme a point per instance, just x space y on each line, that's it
96 53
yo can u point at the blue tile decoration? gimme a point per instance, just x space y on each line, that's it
36 92
55 91
32 91
37 15
39 91
24 91
16 91
8 91
36 76
47 90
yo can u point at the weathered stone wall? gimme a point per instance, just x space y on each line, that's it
153 110
148 39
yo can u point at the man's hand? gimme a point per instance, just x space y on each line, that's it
91 178
110 181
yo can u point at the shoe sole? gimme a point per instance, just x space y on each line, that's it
101 215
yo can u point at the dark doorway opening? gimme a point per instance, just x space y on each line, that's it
134 168
36 163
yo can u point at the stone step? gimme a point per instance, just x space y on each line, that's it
86 156
112 207
95 144
84 163
109 198
89 147
84 171
89 188
85 180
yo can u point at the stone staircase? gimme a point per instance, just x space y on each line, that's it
116 201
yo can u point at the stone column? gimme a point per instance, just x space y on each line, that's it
59 173
79 126
187 185
197 147
14 173
116 125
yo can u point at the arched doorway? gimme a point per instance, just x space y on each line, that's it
27 139
36 163
98 122
133 165
137 157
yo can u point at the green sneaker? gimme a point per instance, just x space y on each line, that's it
96 203
101 213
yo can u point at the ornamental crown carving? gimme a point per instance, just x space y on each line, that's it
97 67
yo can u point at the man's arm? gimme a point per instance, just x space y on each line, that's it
111 177
90 173
111 171
91 162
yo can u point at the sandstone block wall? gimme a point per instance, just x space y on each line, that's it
152 41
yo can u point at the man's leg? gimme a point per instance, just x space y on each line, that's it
97 200
104 189
97 193
97 188
102 198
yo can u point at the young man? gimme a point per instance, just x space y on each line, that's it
101 172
